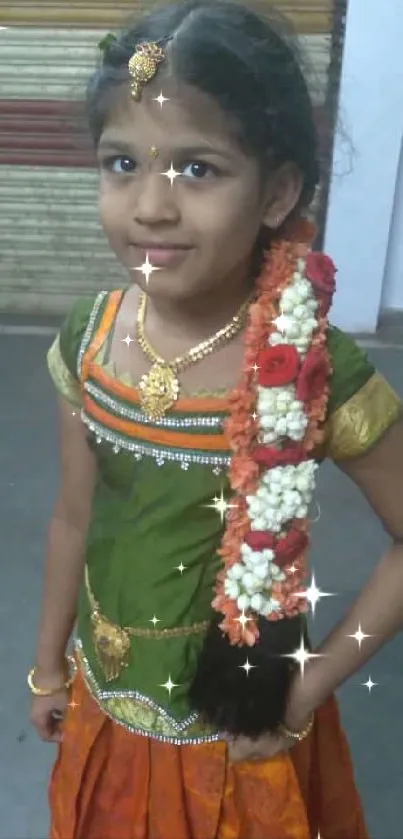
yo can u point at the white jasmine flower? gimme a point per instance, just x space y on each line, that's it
251 583
235 572
257 602
243 602
231 588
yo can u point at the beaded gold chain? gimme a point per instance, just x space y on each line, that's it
159 388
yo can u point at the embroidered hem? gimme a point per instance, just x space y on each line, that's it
139 714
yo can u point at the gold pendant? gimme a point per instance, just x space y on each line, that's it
159 391
112 645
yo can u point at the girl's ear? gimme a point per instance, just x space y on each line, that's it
282 193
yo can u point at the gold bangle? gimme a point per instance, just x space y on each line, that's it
50 692
297 735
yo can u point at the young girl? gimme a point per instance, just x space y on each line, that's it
195 406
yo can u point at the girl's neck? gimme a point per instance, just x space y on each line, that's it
199 317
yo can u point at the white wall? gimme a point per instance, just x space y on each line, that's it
392 296
362 199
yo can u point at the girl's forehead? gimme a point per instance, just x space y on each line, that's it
185 111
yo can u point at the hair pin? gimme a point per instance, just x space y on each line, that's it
143 66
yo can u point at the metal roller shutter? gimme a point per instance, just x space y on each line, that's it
52 248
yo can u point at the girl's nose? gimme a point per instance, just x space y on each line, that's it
155 200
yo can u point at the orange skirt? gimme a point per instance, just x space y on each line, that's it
110 784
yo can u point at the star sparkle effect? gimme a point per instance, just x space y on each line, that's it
171 174
243 619
369 684
161 99
128 340
181 567
247 667
301 656
169 685
359 636
154 621
284 322
73 705
220 505
147 269
313 594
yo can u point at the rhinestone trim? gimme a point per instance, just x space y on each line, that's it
89 330
141 418
160 455
138 704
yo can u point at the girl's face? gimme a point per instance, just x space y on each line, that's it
200 230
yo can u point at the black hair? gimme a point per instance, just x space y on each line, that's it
247 62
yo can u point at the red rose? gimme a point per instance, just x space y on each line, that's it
313 375
259 540
270 457
278 366
321 271
287 549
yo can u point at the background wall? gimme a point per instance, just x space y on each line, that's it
364 225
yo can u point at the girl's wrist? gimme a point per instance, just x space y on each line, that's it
301 703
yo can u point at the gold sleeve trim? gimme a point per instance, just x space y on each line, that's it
62 378
358 424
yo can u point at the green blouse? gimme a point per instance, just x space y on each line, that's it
151 555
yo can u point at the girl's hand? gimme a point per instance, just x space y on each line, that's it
48 712
264 748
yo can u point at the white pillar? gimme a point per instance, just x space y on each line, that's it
364 182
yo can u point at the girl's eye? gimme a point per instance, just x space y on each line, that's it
119 165
197 170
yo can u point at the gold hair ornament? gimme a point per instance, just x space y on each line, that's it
143 66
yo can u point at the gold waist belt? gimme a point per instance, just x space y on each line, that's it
112 642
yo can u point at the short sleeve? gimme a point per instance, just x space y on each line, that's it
362 404
62 356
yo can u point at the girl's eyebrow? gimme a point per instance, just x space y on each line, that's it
119 145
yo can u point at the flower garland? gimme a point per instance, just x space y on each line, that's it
275 422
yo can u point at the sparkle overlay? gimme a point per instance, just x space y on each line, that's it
161 99
247 667
313 594
155 620
359 636
220 505
171 174
169 685
128 340
180 568
73 705
284 323
243 620
369 684
147 269
301 656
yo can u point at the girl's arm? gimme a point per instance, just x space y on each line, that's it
379 607
66 548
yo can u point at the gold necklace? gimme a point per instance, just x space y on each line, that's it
159 388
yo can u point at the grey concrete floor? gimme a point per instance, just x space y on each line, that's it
348 542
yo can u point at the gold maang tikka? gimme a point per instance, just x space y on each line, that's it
143 66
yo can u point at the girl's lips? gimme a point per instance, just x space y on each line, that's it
162 256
